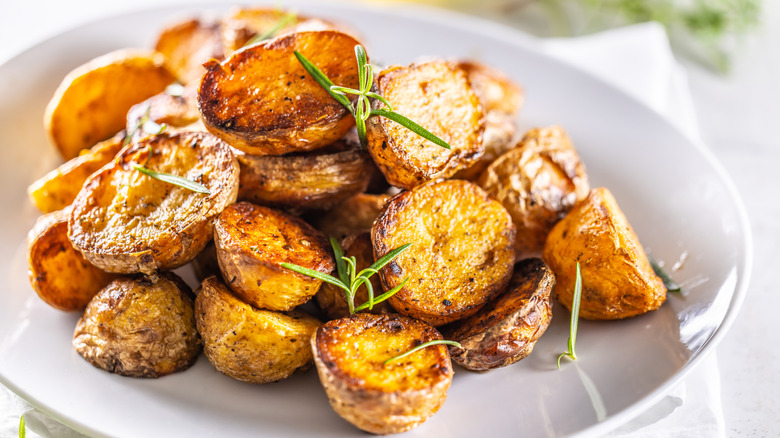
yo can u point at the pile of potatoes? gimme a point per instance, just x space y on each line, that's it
496 223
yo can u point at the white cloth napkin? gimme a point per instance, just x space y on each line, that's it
638 60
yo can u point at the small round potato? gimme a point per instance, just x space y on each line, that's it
354 215
188 44
137 328
461 253
350 353
252 242
538 181
506 329
249 344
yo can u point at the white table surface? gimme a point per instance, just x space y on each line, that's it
737 115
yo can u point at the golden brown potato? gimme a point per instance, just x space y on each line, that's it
124 221
249 344
506 329
58 188
137 328
354 215
261 100
349 354
538 182
205 264
252 243
187 45
617 279
309 181
461 254
332 299
91 102
58 273
438 96
242 24
175 111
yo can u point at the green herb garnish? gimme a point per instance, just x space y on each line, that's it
349 280
575 316
146 125
22 427
279 25
173 179
669 284
421 346
361 109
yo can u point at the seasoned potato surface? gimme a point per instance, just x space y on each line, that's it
461 253
617 279
175 111
349 354
188 44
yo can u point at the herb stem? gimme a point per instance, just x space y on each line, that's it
421 346
173 179
575 316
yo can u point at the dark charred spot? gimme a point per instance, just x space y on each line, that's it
446 302
395 326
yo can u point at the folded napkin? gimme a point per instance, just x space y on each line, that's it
637 59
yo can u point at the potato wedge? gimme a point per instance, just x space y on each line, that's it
188 44
461 254
538 182
58 188
315 180
59 274
352 216
261 100
331 299
91 102
349 354
249 344
137 328
175 111
126 222
507 328
617 279
252 243
438 96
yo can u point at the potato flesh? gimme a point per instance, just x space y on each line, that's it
461 253
187 45
249 344
252 242
354 215
617 279
437 96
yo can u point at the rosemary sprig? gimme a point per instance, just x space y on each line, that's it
669 283
279 25
421 346
361 109
349 280
147 125
173 179
575 316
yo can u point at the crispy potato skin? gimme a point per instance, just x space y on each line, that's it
331 299
354 215
617 279
137 328
261 100
252 242
538 182
60 275
91 102
349 354
188 44
438 96
506 329
461 253
126 222
58 188
315 180
173 111
249 344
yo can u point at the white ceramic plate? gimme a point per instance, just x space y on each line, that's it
674 194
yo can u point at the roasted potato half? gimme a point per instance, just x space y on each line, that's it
178 110
60 275
507 328
188 44
353 215
617 279
350 353
240 25
331 299
252 242
138 328
461 254
126 222
58 188
261 100
438 96
249 344
538 182
315 180
91 102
